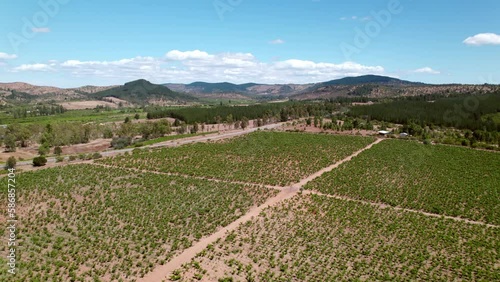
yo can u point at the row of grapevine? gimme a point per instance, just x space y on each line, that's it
439 179
273 158
315 238
82 222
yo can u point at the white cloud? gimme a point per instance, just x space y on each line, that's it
277 41
189 66
32 67
5 56
483 39
122 62
40 29
427 70
177 55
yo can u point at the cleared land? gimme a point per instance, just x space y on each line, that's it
82 105
446 180
316 238
273 158
84 222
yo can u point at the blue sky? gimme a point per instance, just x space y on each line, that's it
70 43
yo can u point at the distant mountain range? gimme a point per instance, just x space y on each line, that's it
141 92
366 85
247 89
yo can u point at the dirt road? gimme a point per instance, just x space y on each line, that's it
175 143
164 271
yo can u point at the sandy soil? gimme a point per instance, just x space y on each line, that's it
20 153
97 145
116 100
30 152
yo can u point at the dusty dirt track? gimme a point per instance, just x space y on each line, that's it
187 255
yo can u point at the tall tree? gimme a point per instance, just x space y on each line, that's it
244 122
10 143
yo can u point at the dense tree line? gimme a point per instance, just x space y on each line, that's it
459 112
38 110
274 111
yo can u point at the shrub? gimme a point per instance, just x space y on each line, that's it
121 142
57 150
43 150
96 155
59 159
39 161
11 162
72 158
108 133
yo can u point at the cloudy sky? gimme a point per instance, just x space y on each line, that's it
70 43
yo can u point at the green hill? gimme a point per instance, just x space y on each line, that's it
142 92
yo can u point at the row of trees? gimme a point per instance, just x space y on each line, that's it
38 110
63 134
464 112
266 112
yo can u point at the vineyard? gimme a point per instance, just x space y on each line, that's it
122 218
315 238
439 179
273 158
86 222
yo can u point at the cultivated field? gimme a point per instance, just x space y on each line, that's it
84 222
273 158
439 179
316 238
377 215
